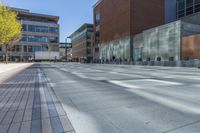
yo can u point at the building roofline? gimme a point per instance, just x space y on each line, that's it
97 3
85 24
27 12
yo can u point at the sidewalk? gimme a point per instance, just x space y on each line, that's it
28 103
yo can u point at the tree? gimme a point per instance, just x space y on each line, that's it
10 28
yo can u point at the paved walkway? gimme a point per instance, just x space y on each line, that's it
28 103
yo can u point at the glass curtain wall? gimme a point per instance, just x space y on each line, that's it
187 7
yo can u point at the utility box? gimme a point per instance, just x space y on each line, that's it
46 56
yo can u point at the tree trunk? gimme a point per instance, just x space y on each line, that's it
6 60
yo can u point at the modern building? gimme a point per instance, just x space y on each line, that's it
117 21
82 40
169 43
40 32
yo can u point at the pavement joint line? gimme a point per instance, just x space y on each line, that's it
15 96
36 125
52 92
45 118
9 89
111 122
180 127
19 103
55 123
26 104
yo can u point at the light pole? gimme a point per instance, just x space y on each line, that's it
66 47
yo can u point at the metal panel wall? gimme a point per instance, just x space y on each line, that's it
120 49
163 41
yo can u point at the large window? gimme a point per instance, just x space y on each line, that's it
45 39
24 38
53 29
37 39
181 8
97 18
18 48
33 28
36 48
97 37
43 29
24 27
187 7
197 5
53 39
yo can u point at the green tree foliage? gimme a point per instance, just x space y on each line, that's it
10 28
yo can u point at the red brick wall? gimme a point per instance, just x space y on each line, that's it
120 18
146 14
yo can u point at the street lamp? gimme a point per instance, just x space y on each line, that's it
66 48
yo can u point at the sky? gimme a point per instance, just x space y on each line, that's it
72 13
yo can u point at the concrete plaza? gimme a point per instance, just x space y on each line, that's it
94 98
128 99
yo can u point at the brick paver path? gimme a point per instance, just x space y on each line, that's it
29 104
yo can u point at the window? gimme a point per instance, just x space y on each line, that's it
189 3
36 48
30 49
53 29
25 48
43 29
181 5
158 58
53 39
88 44
97 18
197 5
33 28
97 37
189 11
88 51
18 48
197 1
24 27
96 49
88 37
181 8
24 38
37 39
171 58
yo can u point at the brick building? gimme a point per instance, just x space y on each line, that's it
116 21
157 32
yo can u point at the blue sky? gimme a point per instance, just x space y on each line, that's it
73 13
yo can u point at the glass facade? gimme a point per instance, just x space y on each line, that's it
44 39
42 29
187 7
